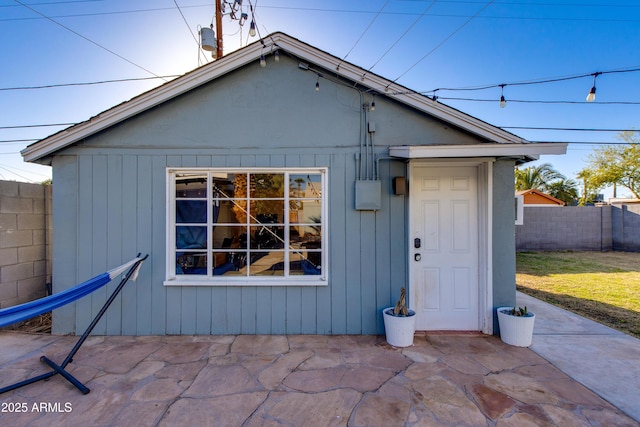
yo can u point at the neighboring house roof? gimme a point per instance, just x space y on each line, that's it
537 197
311 58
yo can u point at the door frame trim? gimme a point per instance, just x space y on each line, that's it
485 231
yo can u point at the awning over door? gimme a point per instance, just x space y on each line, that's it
528 152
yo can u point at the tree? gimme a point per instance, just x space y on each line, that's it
548 180
536 177
589 190
564 189
616 165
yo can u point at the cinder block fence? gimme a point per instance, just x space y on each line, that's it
25 238
590 228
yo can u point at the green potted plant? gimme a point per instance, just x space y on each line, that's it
516 325
399 322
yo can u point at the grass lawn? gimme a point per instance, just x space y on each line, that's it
602 286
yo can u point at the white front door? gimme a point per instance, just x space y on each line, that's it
444 286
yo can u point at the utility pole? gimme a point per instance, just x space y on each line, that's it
218 29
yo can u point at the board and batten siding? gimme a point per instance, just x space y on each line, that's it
119 209
109 203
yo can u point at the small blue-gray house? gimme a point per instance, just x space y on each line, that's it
291 195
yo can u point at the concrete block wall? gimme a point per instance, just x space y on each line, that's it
25 241
566 228
626 227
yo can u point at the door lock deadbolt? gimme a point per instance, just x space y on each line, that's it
417 257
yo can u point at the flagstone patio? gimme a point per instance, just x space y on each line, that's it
306 380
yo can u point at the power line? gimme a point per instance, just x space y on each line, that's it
585 142
534 82
89 40
568 129
18 140
363 33
524 101
55 2
424 12
191 32
311 9
36 126
88 83
445 39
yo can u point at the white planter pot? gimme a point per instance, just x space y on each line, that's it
399 329
515 330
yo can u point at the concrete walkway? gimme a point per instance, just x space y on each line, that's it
603 359
248 380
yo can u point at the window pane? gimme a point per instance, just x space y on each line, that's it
305 263
227 263
191 237
191 263
305 211
309 237
307 186
191 211
224 185
266 264
229 237
266 185
264 237
267 211
191 185
227 212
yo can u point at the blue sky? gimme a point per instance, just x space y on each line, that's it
423 44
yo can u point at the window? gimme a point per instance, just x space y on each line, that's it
251 226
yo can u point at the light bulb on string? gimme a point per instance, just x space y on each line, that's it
373 106
318 84
592 93
503 102
252 28
263 61
276 55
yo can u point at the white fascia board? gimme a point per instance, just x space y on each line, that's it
476 150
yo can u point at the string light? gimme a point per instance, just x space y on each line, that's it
276 55
263 61
318 84
592 93
503 102
252 28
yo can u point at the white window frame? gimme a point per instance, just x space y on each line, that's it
519 209
173 279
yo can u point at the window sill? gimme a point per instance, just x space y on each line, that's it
245 282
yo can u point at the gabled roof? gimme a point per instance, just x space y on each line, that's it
533 191
41 150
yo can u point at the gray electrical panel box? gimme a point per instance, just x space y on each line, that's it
368 195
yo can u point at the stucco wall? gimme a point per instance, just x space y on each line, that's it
112 204
25 215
